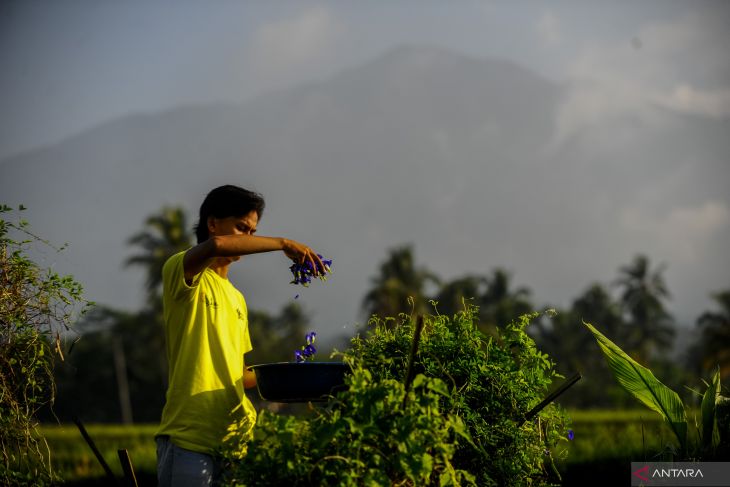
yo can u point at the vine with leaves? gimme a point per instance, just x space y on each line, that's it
37 306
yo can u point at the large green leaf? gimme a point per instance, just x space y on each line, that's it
641 383
708 409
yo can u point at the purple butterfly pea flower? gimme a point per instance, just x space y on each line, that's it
303 273
309 351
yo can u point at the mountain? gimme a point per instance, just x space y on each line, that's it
422 145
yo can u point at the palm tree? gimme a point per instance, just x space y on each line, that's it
564 338
643 292
165 234
499 305
715 338
455 295
563 335
399 280
596 306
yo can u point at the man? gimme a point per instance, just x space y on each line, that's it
206 331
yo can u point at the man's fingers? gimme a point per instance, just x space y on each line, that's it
301 254
313 256
320 266
315 262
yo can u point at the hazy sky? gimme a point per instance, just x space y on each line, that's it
69 65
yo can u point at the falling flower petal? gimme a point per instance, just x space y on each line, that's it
307 351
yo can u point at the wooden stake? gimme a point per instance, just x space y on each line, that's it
412 357
127 468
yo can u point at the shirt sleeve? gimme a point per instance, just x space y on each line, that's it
173 278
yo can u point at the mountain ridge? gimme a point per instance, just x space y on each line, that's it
457 161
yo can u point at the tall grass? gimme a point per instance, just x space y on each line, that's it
607 441
631 435
73 460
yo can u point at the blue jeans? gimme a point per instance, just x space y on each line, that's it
178 467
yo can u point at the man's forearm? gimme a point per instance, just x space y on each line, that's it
199 257
237 245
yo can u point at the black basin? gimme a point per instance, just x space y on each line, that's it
299 382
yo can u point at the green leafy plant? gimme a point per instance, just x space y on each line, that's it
368 435
493 382
640 382
461 421
36 305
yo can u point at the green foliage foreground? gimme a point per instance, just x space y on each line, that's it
461 423
36 305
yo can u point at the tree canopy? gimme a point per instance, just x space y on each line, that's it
631 310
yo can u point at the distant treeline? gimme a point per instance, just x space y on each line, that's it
117 370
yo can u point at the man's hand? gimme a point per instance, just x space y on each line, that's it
300 254
249 379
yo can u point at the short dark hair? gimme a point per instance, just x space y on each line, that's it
225 201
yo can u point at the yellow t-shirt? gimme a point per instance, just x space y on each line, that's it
206 330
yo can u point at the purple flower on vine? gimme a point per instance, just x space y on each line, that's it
571 435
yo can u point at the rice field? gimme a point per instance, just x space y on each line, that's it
74 461
606 442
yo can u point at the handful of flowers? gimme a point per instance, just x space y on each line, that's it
303 273
307 351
